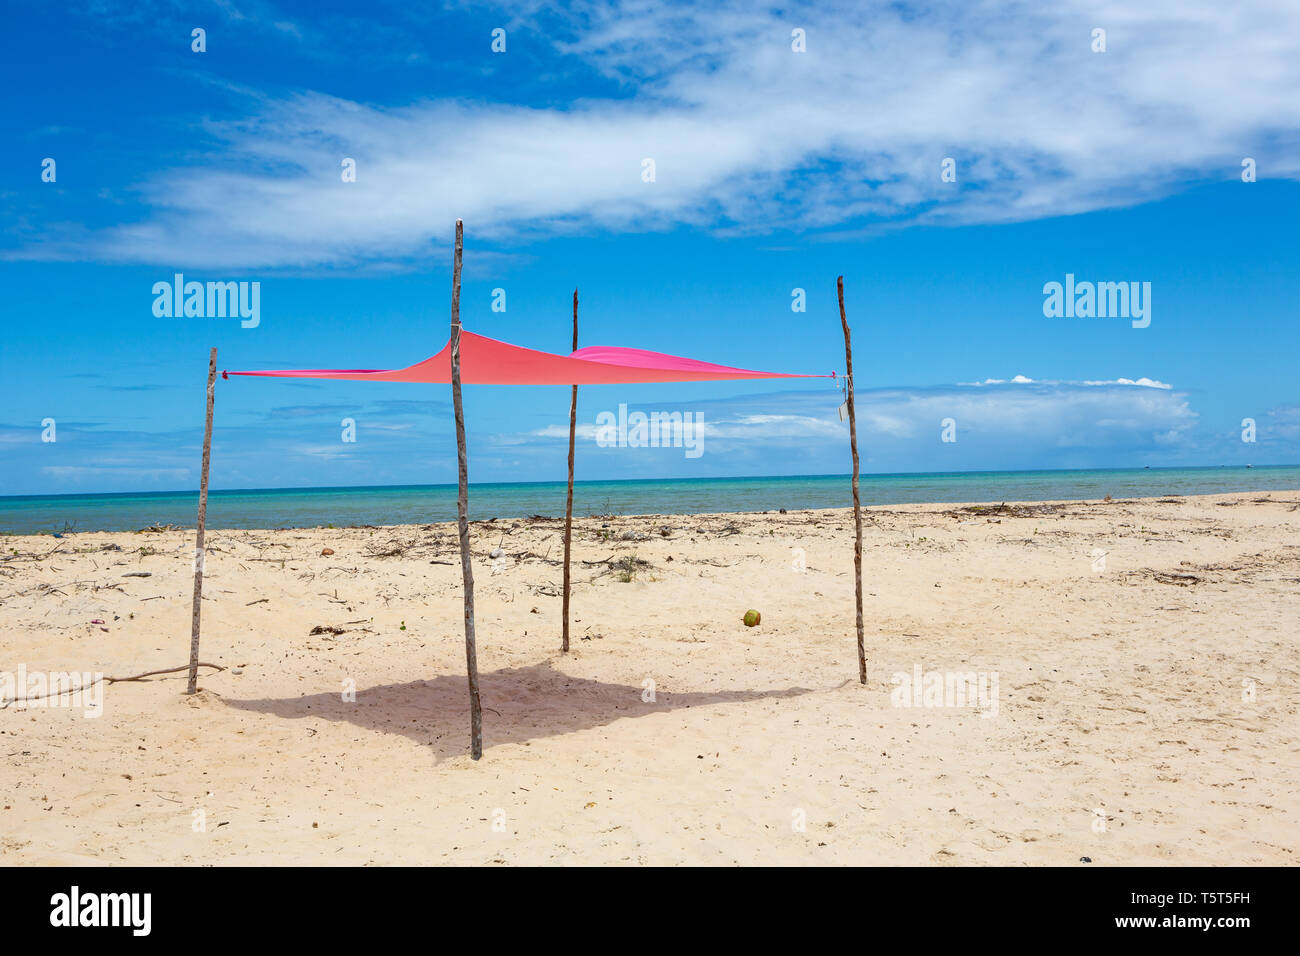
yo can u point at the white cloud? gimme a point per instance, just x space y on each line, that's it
1046 414
749 136
1140 382
1143 382
998 418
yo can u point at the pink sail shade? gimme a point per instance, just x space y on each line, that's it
485 361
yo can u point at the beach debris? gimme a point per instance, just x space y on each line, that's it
752 618
236 670
395 548
1085 859
1016 511
627 567
1171 577
107 679
326 552
497 553
138 574
96 620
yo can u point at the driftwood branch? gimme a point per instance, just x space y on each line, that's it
568 500
203 517
462 509
108 680
857 504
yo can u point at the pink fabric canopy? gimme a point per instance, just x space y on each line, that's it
485 361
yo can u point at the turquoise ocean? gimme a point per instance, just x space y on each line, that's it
421 504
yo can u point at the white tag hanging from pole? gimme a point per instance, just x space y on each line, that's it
844 411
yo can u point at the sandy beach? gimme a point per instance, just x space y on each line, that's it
1139 660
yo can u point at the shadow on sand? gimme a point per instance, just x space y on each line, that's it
519 704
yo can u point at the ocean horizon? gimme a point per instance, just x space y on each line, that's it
425 504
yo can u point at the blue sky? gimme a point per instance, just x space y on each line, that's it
775 170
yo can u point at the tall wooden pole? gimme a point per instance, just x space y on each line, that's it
857 504
568 501
203 518
462 508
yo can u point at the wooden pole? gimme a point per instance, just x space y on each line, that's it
203 518
462 509
568 501
857 504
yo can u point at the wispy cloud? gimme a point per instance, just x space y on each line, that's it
77 475
749 136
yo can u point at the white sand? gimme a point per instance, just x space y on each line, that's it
1120 692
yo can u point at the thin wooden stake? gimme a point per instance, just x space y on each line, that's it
857 504
203 518
462 509
568 501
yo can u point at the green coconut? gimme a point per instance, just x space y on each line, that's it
752 618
